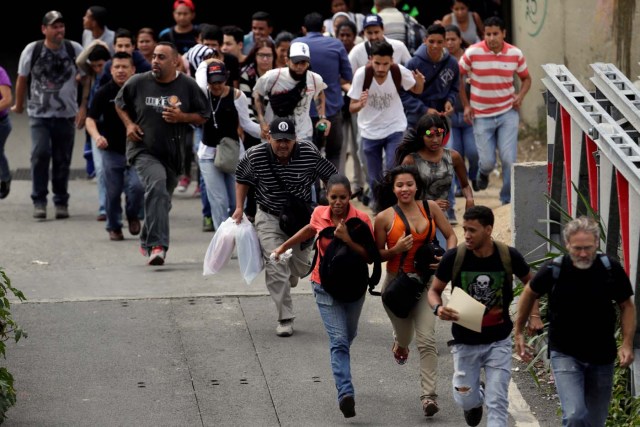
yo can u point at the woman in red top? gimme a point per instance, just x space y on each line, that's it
340 318
392 242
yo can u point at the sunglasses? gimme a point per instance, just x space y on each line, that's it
437 132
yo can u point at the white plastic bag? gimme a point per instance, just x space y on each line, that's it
249 251
220 248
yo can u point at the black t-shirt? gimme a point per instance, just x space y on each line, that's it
104 113
484 280
582 316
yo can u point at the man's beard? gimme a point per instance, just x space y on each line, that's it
297 77
581 264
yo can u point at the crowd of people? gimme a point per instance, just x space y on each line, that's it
268 121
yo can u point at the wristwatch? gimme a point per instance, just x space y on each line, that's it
435 309
322 118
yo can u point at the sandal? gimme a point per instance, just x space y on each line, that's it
429 407
400 354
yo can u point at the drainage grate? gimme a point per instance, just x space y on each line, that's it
24 174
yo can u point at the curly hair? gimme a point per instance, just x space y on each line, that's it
385 197
413 140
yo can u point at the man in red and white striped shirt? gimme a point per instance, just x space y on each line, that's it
493 110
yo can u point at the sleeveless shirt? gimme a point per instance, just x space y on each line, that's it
397 231
436 176
471 34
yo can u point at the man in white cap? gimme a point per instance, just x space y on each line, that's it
290 91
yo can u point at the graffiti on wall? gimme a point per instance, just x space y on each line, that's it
535 14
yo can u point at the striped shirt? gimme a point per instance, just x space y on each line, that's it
491 75
258 165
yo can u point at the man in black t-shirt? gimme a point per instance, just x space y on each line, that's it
483 276
582 288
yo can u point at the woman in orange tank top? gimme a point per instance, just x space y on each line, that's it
391 240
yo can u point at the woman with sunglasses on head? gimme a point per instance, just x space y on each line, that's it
404 186
436 163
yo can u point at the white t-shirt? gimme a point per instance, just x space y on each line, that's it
278 81
384 113
358 56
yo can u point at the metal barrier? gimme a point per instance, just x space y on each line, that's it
593 149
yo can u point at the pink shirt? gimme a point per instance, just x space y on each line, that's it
321 219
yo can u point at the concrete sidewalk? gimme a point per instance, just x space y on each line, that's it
113 341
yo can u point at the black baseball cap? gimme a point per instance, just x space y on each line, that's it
283 128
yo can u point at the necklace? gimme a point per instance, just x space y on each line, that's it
214 111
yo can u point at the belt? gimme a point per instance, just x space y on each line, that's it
269 211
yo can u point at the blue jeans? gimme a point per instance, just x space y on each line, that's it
206 207
341 323
51 142
495 358
120 177
220 189
100 177
5 130
373 156
584 390
498 132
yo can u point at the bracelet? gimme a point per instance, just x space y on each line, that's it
322 118
534 315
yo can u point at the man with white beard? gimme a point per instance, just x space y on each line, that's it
583 288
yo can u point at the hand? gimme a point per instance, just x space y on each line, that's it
364 96
534 325
342 232
17 110
418 76
279 251
517 102
237 215
625 354
442 204
172 114
435 266
448 108
264 130
446 313
524 351
327 124
433 111
468 115
101 142
134 133
404 244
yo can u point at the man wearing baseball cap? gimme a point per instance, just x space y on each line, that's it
280 170
47 85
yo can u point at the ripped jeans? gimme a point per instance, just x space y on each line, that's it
495 358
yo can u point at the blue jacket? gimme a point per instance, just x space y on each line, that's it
445 87
329 59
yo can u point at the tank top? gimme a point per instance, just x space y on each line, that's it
471 34
436 176
223 122
397 231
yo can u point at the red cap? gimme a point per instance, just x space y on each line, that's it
187 3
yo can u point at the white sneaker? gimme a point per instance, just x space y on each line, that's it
284 328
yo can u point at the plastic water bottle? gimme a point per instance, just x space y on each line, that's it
321 127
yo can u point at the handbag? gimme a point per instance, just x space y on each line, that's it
404 291
427 253
227 155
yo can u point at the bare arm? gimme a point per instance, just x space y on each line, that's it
92 129
359 104
7 97
434 297
241 195
525 305
134 132
628 326
461 172
21 94
524 88
380 229
304 234
468 112
419 86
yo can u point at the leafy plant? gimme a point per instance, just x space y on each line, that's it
624 410
9 329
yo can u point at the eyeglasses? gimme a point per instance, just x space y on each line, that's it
264 55
437 132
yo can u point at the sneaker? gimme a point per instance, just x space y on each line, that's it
115 235
483 181
453 220
474 416
183 184
101 217
157 256
429 407
5 187
474 185
284 328
197 191
62 212
40 211
207 224
134 226
348 406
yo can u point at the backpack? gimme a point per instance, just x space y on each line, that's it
396 75
414 34
283 104
344 274
35 56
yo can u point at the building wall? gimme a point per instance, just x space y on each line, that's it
575 33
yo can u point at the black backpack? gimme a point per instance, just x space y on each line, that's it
35 57
344 274
414 35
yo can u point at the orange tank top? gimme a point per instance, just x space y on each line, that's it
397 231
